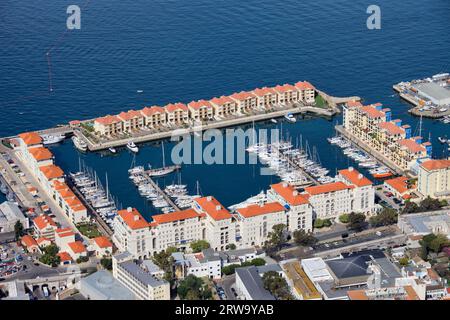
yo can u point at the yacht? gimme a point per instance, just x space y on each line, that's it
290 117
112 150
79 143
52 139
132 147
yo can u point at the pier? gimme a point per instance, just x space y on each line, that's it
145 136
154 185
378 156
298 168
103 226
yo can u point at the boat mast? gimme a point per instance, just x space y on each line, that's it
163 157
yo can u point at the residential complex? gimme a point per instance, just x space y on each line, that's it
216 108
374 126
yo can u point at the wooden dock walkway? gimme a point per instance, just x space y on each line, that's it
161 192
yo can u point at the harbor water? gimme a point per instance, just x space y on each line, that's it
182 51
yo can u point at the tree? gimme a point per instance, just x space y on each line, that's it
303 238
434 243
18 230
429 204
410 207
231 246
277 285
165 261
318 223
230 269
404 261
106 263
344 218
49 256
193 288
356 221
327 223
199 245
276 237
386 217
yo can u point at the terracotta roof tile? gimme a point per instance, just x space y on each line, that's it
30 138
133 218
213 208
354 177
52 172
102 242
326 188
175 216
289 194
257 210
436 164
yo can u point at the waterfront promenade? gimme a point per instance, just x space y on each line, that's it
388 163
145 136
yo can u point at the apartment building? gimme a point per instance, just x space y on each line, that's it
200 110
434 178
131 120
351 193
267 97
299 212
287 94
108 126
44 227
220 227
306 92
176 113
256 221
69 202
373 125
245 101
138 279
154 117
224 106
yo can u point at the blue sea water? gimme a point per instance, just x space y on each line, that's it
186 50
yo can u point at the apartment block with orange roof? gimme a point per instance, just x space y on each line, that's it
44 227
400 187
287 94
102 246
220 229
64 236
257 220
245 101
132 120
363 191
299 212
108 126
224 106
267 97
76 250
306 92
47 175
434 178
154 117
176 114
69 203
29 140
200 110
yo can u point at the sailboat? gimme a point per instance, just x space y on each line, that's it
160 172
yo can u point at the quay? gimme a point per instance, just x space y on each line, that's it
103 226
378 156
147 137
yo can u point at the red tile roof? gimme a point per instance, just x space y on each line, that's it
222 100
372 112
42 240
129 115
43 221
148 111
213 208
77 247
261 92
199 104
392 128
107 120
285 88
354 103
40 153
133 218
30 138
242 96
64 232
52 172
399 184
175 216
176 106
354 177
326 188
304 85
257 210
64 256
411 145
436 164
29 241
103 242
289 194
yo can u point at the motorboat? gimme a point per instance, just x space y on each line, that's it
273 120
52 139
442 140
112 150
132 147
80 144
290 117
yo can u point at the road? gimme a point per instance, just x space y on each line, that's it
227 283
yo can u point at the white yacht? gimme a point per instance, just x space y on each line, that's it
79 143
52 139
132 147
290 117
112 150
